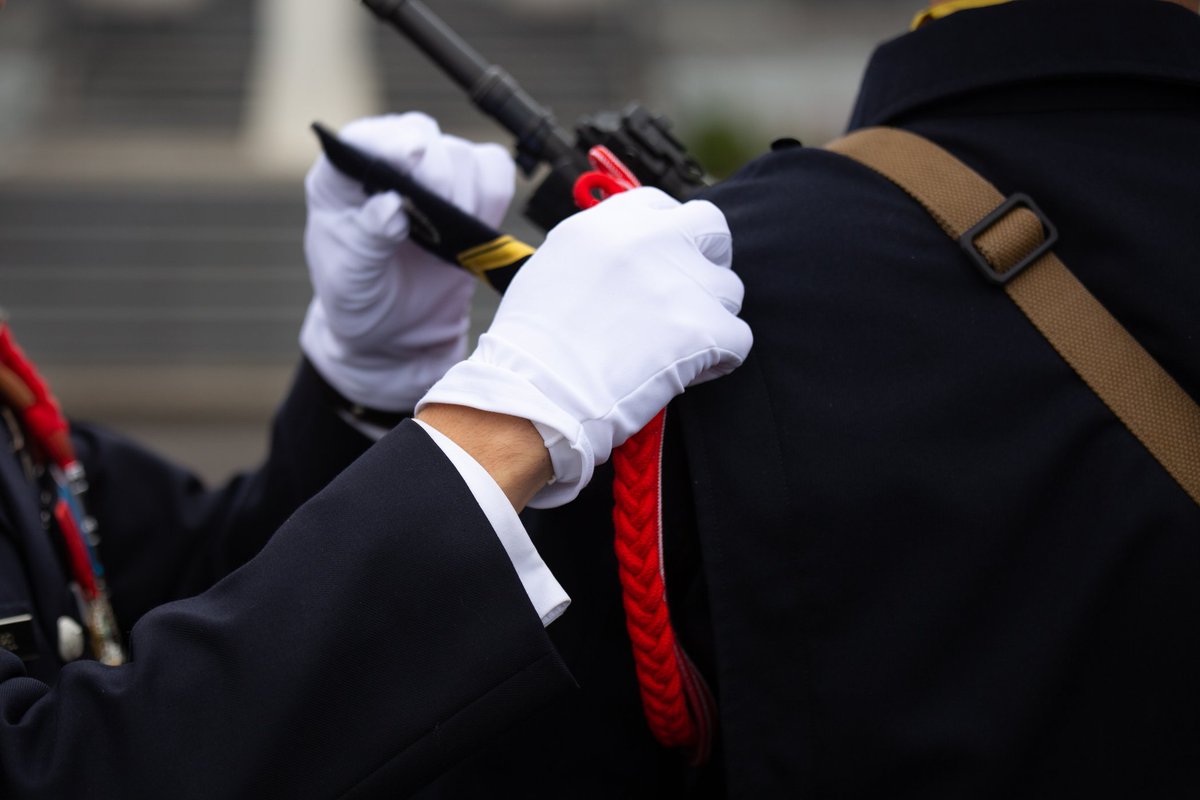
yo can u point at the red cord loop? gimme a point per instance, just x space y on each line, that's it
608 177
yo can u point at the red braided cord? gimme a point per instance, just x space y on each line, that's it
675 698
636 513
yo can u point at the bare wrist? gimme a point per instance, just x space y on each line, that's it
509 448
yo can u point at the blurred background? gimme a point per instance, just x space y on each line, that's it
152 154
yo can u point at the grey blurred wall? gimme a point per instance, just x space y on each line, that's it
152 153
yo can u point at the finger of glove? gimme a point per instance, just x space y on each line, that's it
642 198
399 139
328 189
693 237
495 181
382 290
401 308
654 215
346 246
348 251
479 179
427 300
734 340
382 217
358 263
434 298
628 221
705 226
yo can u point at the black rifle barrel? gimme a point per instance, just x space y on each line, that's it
494 91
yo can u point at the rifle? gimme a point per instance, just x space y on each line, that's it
640 140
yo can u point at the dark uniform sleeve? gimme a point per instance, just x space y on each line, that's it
380 634
165 536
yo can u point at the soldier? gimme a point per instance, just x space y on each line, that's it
395 618
910 550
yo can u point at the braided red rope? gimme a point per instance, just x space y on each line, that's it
675 698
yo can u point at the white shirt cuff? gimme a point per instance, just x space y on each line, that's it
548 598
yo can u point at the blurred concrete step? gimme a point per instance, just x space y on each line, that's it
162 276
128 72
154 275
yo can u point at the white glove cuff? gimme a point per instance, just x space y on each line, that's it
477 384
386 383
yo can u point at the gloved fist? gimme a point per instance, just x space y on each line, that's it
621 308
387 319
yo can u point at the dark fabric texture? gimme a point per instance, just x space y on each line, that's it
376 638
923 559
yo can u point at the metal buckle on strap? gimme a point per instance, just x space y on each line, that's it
1016 200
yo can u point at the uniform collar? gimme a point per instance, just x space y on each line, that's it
1028 40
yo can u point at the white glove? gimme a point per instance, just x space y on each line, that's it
387 318
621 308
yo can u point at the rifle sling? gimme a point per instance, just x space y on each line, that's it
1010 240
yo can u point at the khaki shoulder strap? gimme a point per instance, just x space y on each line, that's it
1009 239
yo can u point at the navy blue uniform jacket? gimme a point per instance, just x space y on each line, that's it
913 553
376 637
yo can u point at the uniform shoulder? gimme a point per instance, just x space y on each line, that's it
788 168
823 207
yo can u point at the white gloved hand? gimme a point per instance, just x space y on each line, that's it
387 318
623 307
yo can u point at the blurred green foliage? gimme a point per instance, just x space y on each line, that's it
721 143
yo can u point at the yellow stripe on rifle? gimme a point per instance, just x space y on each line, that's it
497 253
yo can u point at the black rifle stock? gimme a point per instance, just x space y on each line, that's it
642 140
